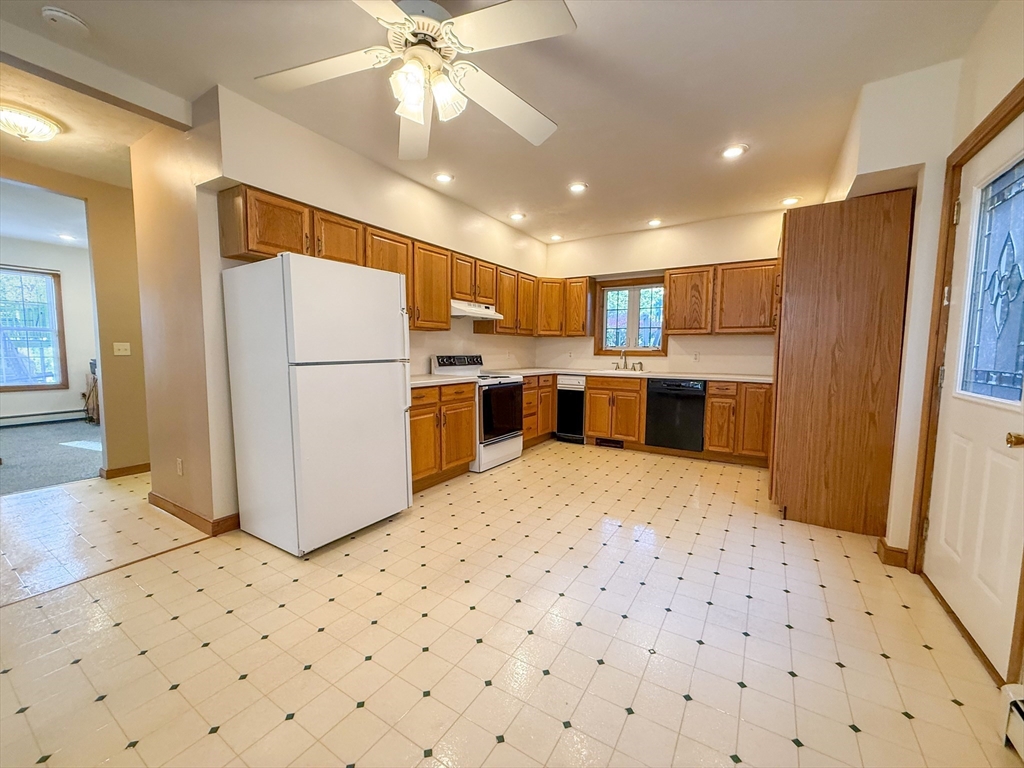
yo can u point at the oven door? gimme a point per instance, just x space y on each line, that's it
501 412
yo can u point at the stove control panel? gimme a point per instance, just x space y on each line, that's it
448 361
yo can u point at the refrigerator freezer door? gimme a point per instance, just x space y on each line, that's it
351 447
339 312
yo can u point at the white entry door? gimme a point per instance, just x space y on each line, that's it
976 529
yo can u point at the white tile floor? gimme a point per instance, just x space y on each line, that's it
56 536
581 606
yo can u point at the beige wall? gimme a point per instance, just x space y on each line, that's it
499 352
79 317
116 281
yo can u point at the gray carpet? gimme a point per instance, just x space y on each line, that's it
34 457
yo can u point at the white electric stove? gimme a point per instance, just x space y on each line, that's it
499 409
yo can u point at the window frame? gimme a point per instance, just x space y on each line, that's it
599 317
58 306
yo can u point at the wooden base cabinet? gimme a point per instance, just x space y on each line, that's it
738 419
538 408
442 430
612 408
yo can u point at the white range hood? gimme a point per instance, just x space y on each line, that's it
477 311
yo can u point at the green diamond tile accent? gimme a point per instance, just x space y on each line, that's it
360 704
21 711
214 729
566 724
629 710
855 729
957 702
101 697
741 684
688 697
487 683
798 742
290 716
500 739
546 672
307 668
886 656
42 759
132 744
428 752
174 687
840 665
907 715
735 758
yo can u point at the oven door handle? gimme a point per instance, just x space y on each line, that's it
501 386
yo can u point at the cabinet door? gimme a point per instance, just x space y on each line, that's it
626 416
392 253
486 283
577 306
425 440
507 305
339 239
688 300
745 297
720 424
431 305
458 433
754 420
526 304
598 413
550 307
545 410
463 277
274 224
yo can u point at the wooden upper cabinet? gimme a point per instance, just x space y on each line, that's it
458 433
339 239
258 225
550 306
463 277
688 300
720 424
486 282
508 283
754 420
745 297
431 303
526 305
390 252
577 306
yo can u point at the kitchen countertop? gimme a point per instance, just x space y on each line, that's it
747 377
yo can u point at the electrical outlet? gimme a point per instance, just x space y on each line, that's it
122 349
696 357
181 468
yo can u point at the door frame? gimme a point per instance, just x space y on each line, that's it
1008 110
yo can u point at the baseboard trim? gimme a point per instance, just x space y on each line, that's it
537 440
893 556
725 458
989 667
209 527
134 469
436 479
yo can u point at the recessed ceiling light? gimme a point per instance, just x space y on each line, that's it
578 187
556 238
69 238
517 216
27 126
734 150
443 178
654 223
791 200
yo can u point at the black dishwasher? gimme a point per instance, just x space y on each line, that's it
675 413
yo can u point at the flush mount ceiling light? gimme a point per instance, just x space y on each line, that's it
69 238
26 125
64 21
734 150
444 178
654 223
428 39
556 238
517 216
791 200
578 187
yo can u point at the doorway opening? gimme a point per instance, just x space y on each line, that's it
49 403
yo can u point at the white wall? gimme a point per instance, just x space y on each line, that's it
79 309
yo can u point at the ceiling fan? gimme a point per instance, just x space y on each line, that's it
428 39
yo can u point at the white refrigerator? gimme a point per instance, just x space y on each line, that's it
318 357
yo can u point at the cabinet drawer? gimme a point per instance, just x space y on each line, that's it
529 426
529 382
530 401
545 381
613 382
458 391
721 387
424 395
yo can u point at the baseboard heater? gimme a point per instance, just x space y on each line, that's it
604 442
46 417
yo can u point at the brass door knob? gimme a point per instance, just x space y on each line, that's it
1014 439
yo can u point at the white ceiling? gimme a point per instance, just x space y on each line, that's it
34 213
96 135
645 93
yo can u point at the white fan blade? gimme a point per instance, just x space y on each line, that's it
327 69
384 10
509 23
413 138
501 102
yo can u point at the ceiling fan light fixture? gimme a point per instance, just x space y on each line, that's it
450 101
26 125
409 85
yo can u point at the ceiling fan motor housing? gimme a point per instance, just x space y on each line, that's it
427 18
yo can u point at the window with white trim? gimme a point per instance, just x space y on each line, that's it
633 317
31 345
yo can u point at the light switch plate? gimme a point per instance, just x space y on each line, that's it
122 348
